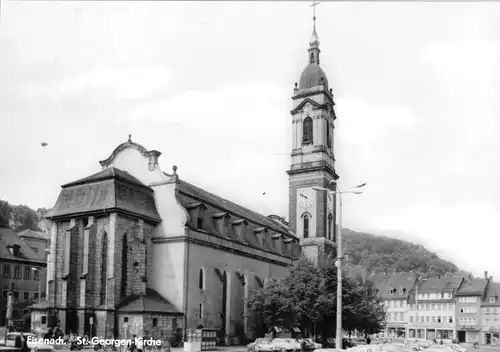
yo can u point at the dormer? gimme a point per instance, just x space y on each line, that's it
240 229
288 246
392 291
196 214
14 250
277 242
492 299
261 235
221 222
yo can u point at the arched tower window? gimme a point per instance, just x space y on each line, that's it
307 130
104 271
306 226
312 58
330 226
201 279
123 287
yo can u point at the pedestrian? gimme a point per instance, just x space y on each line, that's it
24 341
132 345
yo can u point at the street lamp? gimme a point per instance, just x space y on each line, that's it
340 255
416 307
39 270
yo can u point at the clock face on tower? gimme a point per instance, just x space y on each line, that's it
305 197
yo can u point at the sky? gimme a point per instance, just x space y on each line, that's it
209 84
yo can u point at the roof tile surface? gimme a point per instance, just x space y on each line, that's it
8 237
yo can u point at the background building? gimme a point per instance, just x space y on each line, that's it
431 308
469 297
395 296
22 273
490 314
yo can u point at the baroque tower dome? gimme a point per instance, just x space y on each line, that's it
313 75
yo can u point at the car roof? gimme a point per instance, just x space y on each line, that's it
19 333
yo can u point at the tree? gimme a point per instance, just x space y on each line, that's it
305 285
5 212
271 306
307 298
24 218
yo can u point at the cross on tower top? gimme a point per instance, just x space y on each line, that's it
313 5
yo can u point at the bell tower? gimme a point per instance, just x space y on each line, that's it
312 212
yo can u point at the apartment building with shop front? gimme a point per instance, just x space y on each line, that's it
22 274
469 298
395 296
431 308
490 314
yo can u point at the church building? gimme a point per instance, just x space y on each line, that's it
136 250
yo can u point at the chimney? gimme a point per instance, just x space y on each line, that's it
470 278
491 278
486 275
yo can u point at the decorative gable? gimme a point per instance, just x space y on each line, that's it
303 106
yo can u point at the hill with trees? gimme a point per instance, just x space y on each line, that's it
19 217
368 254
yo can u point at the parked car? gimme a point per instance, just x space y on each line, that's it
260 345
13 339
285 345
296 343
313 344
330 343
457 347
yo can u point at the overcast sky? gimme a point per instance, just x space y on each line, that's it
209 85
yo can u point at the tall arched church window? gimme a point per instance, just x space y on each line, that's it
104 271
123 286
306 226
201 279
312 58
330 226
307 130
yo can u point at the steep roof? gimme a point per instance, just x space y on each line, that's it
9 238
193 191
438 285
152 301
379 282
108 190
107 174
33 234
472 287
492 290
401 282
